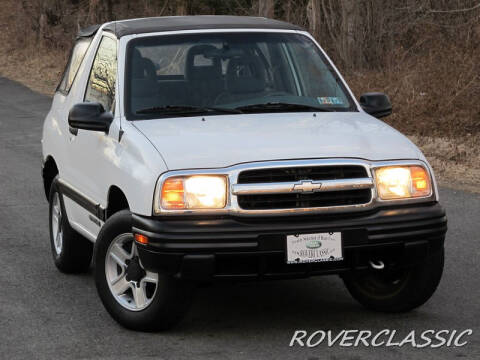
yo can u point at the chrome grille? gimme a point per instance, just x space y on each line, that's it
303 187
295 201
301 173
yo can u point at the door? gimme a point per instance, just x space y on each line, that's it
90 151
56 130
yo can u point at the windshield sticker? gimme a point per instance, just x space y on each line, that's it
330 100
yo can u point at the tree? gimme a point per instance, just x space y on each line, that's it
349 17
266 8
99 11
182 7
314 17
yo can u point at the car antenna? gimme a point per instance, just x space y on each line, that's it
120 131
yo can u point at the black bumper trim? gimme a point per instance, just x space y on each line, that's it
235 247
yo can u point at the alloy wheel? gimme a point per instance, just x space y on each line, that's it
131 285
57 231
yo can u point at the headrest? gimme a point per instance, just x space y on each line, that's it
206 67
142 68
245 74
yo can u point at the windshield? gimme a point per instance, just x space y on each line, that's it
218 73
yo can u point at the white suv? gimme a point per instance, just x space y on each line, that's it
186 150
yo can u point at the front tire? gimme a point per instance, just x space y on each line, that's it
72 253
136 298
397 290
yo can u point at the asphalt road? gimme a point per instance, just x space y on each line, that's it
48 315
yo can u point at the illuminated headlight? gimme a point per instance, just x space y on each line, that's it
193 192
402 182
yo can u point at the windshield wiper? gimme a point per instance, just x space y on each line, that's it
279 106
185 109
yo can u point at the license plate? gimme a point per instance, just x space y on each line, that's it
306 248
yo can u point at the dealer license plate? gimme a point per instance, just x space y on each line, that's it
305 248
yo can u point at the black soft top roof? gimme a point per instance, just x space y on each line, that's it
175 23
88 31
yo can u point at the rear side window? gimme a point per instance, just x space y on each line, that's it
101 84
76 57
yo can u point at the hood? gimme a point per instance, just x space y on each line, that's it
225 140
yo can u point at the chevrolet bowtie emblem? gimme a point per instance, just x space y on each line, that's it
307 186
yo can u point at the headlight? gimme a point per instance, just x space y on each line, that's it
401 182
194 192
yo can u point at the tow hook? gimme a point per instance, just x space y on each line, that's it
377 264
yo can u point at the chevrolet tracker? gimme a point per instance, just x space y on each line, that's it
187 150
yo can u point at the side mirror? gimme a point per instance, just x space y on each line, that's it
376 104
89 116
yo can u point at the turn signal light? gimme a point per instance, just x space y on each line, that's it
420 180
173 194
142 239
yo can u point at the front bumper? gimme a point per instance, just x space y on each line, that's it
209 248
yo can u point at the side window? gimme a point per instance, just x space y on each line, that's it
76 57
101 84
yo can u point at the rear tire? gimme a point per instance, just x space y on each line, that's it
397 291
72 253
136 298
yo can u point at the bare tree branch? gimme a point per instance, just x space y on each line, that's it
455 10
